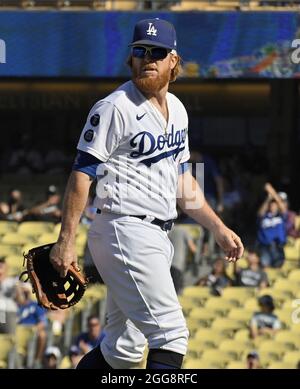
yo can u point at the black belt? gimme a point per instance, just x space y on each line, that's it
165 225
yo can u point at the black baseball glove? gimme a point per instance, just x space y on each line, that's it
52 291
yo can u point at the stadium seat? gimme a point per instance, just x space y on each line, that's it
285 316
203 314
287 285
236 347
197 293
295 327
292 253
238 294
201 364
227 325
7 226
219 304
6 250
187 304
81 239
56 228
197 346
289 338
240 314
35 228
6 346
15 261
236 365
273 347
13 238
281 365
251 305
14 271
288 266
210 335
242 335
194 324
82 228
274 274
294 275
292 357
217 356
287 305
47 237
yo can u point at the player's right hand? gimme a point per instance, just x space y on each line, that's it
230 243
62 255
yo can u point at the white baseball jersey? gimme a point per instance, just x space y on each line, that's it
140 152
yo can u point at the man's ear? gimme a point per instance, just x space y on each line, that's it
174 60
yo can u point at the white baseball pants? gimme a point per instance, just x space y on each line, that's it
133 258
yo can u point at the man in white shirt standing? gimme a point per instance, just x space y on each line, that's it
135 142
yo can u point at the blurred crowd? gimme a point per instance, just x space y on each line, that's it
264 220
48 210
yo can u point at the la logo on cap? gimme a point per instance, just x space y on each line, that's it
151 30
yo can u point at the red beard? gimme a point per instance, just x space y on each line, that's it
151 84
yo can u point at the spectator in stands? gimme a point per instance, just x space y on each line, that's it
8 306
264 321
51 358
7 284
271 229
290 217
48 210
31 314
86 341
75 356
253 360
183 243
13 209
253 275
4 210
217 280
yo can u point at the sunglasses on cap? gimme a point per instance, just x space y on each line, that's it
155 53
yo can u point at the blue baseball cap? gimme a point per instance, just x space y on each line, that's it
155 32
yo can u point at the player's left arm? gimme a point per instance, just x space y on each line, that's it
191 200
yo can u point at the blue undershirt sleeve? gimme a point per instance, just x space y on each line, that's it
86 163
183 167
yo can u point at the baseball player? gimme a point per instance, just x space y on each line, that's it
135 143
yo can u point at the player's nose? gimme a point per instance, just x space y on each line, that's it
147 59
